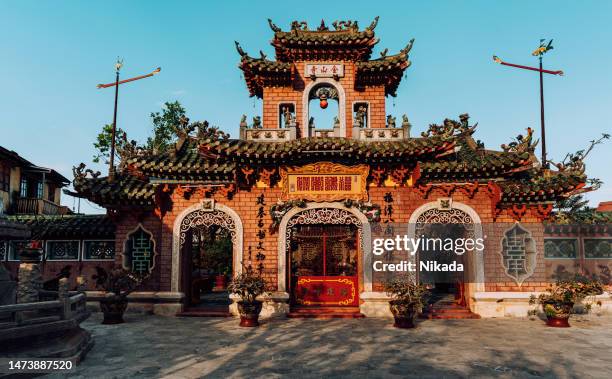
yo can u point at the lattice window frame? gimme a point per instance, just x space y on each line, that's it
127 251
575 240
3 251
84 251
530 256
49 246
584 244
12 253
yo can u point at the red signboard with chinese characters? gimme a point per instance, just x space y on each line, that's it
325 181
327 291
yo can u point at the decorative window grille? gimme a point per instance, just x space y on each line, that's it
598 248
13 249
555 248
99 250
139 252
62 250
518 253
3 250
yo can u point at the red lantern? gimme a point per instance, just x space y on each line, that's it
323 103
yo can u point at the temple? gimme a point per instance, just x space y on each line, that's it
301 199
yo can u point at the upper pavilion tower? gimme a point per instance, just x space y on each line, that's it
324 64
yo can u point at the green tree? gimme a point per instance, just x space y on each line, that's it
164 124
103 143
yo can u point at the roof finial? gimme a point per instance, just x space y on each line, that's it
239 49
274 28
373 24
322 27
408 47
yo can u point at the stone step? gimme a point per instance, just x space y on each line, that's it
325 312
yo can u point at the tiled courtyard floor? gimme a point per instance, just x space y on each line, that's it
152 347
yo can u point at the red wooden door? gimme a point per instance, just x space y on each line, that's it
324 265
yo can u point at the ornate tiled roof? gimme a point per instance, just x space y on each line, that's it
68 226
261 72
322 147
344 41
387 70
124 190
541 188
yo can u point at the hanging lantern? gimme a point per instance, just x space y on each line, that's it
323 100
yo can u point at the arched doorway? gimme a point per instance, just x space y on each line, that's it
207 245
324 109
454 221
323 251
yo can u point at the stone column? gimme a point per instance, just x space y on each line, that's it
29 276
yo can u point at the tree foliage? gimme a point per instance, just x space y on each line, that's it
164 124
103 143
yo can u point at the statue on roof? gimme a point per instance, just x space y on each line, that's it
522 144
299 25
288 117
256 122
361 116
207 132
450 128
243 123
406 124
345 25
390 121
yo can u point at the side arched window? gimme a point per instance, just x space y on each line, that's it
139 253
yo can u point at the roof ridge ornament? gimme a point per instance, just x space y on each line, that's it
299 25
274 28
408 47
322 27
522 144
348 25
240 50
373 24
451 128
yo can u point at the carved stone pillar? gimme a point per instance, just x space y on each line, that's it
30 276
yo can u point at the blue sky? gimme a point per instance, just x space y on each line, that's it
54 54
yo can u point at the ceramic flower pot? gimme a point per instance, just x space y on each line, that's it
249 313
557 314
220 283
404 314
113 308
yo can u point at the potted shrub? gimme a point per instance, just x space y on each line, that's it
248 286
118 284
408 298
221 279
558 300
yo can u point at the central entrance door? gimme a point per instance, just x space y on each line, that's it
324 265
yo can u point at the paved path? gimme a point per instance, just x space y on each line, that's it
153 347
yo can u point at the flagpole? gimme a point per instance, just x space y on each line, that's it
111 168
543 131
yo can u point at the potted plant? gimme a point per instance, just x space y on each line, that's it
117 285
558 300
407 299
221 278
248 285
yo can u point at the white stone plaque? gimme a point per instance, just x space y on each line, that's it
327 70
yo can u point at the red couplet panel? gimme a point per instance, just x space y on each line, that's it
327 291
